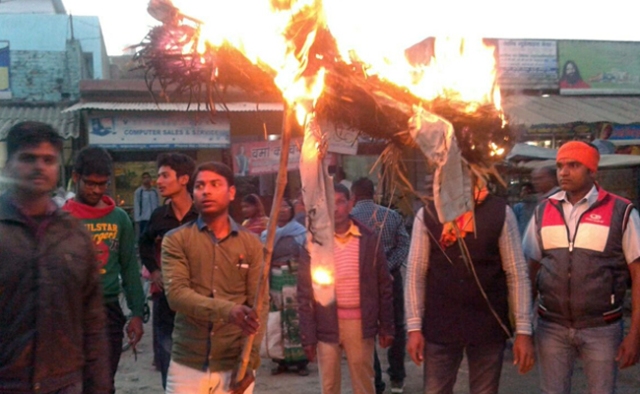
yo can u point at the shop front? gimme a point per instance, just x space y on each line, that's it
136 138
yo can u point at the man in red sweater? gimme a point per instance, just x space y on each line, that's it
114 241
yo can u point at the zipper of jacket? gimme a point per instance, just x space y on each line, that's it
571 245
570 240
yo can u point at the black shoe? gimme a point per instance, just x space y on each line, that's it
303 371
279 369
397 387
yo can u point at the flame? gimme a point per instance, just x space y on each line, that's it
322 276
460 69
496 150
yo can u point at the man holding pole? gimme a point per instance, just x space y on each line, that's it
211 270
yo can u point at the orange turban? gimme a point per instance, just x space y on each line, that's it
581 152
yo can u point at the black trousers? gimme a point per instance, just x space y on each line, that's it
115 334
395 354
162 321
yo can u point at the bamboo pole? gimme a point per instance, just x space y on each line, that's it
263 283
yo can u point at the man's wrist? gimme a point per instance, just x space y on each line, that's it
524 331
634 333
414 324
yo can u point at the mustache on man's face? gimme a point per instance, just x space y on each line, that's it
36 174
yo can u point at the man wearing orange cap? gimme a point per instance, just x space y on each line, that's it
583 245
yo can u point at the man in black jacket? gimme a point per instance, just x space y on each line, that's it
52 337
174 183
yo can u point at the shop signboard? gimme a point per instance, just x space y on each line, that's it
625 132
157 130
263 157
531 64
599 67
567 129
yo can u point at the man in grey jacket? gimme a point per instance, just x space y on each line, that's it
52 337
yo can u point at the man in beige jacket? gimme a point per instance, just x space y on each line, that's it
211 269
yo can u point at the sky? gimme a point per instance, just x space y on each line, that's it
126 22
123 22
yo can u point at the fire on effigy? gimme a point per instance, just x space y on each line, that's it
446 104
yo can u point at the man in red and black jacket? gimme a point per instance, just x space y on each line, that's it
583 246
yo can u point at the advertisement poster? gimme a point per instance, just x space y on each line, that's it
529 64
157 131
341 141
599 67
5 62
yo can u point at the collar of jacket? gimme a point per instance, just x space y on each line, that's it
9 210
561 196
235 228
168 210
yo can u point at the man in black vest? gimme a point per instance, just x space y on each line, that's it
455 305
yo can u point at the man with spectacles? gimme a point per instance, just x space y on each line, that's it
114 240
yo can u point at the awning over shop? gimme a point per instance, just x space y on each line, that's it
522 151
521 109
67 124
536 110
606 162
176 107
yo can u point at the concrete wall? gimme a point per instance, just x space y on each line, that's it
41 76
39 32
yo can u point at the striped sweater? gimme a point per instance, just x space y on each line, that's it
346 251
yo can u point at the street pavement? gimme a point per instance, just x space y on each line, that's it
141 377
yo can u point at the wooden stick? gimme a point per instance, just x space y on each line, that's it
281 183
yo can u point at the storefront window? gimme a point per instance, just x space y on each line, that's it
128 177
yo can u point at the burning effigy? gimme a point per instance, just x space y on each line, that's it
447 104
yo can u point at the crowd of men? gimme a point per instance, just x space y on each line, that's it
469 290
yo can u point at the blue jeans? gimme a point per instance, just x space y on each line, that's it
441 363
558 348
395 353
162 322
